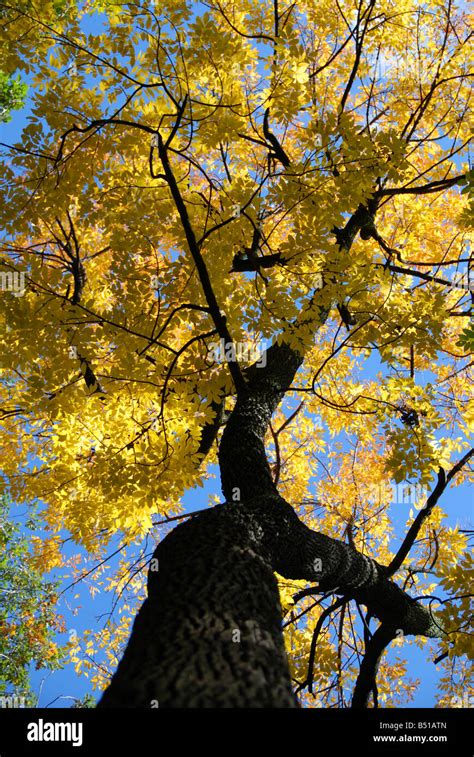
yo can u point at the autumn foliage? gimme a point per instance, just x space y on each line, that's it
278 122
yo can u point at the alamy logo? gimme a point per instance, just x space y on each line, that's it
463 281
406 494
223 351
13 281
9 702
42 731
465 701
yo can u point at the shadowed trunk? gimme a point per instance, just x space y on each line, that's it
209 632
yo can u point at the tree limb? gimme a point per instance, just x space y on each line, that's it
366 680
217 316
413 531
432 186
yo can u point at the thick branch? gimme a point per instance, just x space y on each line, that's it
301 553
418 274
413 531
244 467
210 430
217 316
366 680
278 150
432 186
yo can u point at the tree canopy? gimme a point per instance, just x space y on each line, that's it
196 182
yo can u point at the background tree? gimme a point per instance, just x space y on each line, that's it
28 617
12 95
194 181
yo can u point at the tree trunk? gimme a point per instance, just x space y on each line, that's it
209 633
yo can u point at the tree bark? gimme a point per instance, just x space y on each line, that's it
209 633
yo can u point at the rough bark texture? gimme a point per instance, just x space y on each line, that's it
209 633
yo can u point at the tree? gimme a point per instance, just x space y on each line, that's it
12 95
28 621
243 240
